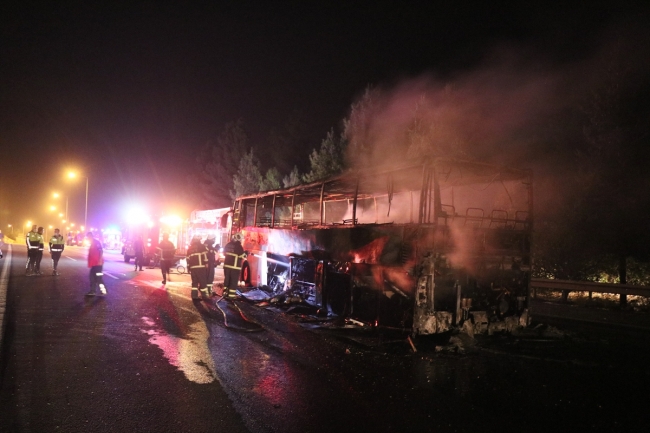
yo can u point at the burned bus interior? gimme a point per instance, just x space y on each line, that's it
421 248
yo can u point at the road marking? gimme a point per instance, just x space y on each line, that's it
111 275
71 258
4 280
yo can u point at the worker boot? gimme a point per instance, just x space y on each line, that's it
195 293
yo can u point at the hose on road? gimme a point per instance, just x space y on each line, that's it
258 327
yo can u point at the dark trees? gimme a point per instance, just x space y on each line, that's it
211 180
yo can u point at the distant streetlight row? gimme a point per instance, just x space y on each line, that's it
52 208
73 175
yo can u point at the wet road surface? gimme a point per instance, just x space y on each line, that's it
147 358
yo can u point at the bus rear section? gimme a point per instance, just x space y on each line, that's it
423 247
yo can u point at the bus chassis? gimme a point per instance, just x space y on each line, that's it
422 248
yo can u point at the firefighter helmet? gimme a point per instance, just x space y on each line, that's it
212 237
238 237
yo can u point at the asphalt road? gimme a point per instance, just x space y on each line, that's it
148 358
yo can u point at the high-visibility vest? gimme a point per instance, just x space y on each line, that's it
57 243
34 239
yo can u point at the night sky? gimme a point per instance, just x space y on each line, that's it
128 93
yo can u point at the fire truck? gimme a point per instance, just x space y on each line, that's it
423 247
150 233
206 222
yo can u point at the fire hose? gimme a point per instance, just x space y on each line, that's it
243 316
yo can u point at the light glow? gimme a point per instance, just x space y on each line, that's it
136 216
171 220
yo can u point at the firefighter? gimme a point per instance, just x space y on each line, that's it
213 255
232 264
32 239
197 262
57 243
166 251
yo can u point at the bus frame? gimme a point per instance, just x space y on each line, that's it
423 247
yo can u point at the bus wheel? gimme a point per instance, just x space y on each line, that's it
245 275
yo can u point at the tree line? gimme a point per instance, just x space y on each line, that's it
590 157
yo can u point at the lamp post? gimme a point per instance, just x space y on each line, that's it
72 175
56 195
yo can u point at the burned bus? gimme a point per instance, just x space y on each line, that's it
421 247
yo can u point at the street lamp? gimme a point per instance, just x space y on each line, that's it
12 229
57 195
72 175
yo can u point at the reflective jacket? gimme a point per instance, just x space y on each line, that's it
197 256
234 253
57 244
33 240
213 253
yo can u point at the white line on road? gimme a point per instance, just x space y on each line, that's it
71 258
4 279
111 275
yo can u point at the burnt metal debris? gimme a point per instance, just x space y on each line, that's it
425 248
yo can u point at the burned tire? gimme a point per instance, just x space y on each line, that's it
245 274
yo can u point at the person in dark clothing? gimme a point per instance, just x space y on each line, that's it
57 244
213 256
166 250
197 262
39 252
138 248
232 264
32 240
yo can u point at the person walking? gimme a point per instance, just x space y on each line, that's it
96 265
213 252
197 262
32 240
232 264
57 244
138 248
166 250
